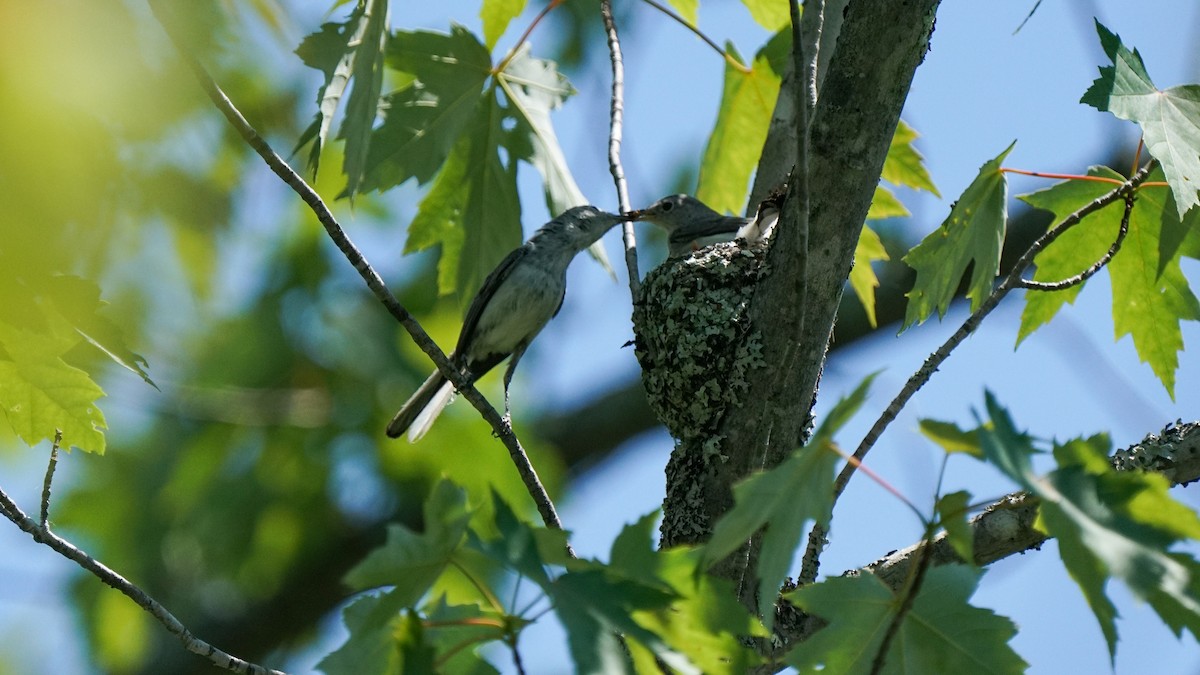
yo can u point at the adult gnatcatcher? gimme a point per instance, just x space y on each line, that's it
690 224
516 300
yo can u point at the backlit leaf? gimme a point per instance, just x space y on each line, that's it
862 277
426 117
942 633
40 393
734 148
496 15
972 235
1170 118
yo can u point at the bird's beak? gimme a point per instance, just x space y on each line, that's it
633 215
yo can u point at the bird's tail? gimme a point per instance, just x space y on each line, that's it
422 408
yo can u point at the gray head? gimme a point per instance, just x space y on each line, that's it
676 211
689 223
577 227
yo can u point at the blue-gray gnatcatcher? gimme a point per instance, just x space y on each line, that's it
515 301
690 224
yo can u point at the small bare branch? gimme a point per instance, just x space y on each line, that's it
817 537
616 121
50 466
1099 264
42 535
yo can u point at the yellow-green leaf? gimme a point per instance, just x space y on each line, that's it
770 14
496 15
689 10
951 437
904 165
862 277
735 145
41 393
1147 304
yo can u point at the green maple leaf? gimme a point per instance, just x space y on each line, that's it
689 10
787 497
734 147
904 165
1108 524
769 14
942 633
704 620
383 640
972 234
41 393
472 209
862 277
1150 296
593 602
450 628
352 50
1075 250
426 117
1170 119
496 15
953 514
411 562
534 88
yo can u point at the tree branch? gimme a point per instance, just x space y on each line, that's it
817 537
881 44
1096 267
616 117
50 466
42 535
1006 527
500 427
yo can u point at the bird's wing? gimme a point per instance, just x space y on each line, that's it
486 291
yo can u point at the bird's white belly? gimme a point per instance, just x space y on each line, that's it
519 309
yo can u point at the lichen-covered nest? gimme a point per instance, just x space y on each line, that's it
693 337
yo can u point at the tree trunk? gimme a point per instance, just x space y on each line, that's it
753 403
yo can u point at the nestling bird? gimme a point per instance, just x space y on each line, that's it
515 301
690 224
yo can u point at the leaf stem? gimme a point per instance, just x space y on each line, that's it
880 481
525 36
907 598
1062 176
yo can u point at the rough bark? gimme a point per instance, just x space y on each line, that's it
880 45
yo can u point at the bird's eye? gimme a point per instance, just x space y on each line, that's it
667 206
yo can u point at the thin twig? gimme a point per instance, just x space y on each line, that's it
516 653
68 550
500 427
616 116
817 537
707 40
50 466
525 36
1099 264
908 598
